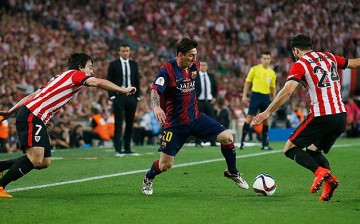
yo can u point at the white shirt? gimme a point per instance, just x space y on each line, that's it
209 96
123 61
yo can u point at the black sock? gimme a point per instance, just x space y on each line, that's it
264 135
319 158
229 154
19 169
154 170
245 130
6 164
302 158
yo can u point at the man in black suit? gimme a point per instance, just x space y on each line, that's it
206 92
124 72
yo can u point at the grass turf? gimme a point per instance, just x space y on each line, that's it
193 193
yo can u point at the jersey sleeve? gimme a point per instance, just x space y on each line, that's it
161 80
250 75
296 72
79 78
342 63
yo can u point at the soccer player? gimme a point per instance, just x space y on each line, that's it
317 72
174 103
262 80
36 109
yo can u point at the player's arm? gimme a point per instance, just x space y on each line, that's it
283 95
354 63
155 103
109 86
247 86
18 105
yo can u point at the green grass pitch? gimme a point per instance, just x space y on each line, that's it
94 186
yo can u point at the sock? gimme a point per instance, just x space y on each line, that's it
302 158
19 169
6 164
229 153
319 158
264 135
245 130
154 170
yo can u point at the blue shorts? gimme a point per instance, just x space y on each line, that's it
174 138
258 101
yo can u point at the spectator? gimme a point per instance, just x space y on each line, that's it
99 125
353 118
223 113
59 136
11 144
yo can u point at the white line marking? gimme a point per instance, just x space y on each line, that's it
143 171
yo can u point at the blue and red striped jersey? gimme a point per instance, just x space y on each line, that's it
176 88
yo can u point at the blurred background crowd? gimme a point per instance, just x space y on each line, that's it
36 36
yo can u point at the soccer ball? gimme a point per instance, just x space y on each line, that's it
264 185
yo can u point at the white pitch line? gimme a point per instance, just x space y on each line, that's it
142 171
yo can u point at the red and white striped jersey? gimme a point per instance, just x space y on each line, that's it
56 93
317 72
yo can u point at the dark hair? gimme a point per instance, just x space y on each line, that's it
302 42
78 60
266 53
123 45
185 44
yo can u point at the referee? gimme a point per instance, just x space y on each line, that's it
262 80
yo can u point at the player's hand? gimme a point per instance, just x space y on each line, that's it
159 114
258 119
130 90
5 115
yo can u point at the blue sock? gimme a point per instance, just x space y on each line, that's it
154 170
229 154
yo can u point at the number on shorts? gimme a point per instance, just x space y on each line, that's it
167 136
38 130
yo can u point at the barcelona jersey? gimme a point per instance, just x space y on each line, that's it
176 88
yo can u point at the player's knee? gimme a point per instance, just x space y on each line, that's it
45 164
225 138
36 163
165 166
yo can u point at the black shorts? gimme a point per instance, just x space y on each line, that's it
32 131
258 102
321 131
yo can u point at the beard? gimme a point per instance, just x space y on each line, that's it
294 58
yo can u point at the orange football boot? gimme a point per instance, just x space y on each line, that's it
329 187
321 174
4 194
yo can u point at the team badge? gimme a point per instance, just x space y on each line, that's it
160 81
163 145
37 138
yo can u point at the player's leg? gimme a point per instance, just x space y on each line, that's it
171 142
265 102
335 129
245 129
6 164
229 152
265 136
308 132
